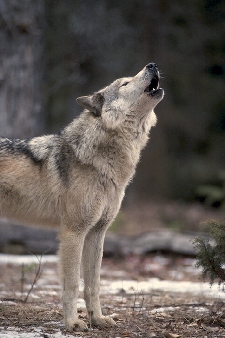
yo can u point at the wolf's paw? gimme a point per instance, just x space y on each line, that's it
76 325
103 321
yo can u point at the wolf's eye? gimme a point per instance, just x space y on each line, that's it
124 84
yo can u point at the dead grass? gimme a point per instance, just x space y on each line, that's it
154 314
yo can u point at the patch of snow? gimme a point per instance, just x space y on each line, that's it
38 334
201 309
26 259
163 309
52 293
131 286
81 303
8 302
51 286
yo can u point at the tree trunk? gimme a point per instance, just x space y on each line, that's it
22 68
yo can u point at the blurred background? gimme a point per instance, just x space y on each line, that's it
55 50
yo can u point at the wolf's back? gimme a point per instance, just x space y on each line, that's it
36 149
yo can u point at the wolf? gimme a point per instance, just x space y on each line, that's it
75 180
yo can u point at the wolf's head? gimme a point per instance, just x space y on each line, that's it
114 103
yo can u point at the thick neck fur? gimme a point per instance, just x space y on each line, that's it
110 147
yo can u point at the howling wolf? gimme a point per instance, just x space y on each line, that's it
75 180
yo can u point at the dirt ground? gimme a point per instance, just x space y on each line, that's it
138 313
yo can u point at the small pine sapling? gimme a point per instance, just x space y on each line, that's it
211 253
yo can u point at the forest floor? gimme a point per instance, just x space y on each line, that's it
152 296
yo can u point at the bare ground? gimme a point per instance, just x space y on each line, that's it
138 314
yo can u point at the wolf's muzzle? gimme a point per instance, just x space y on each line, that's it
153 67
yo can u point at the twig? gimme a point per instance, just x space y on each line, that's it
38 272
37 276
22 278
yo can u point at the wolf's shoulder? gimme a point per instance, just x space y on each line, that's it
37 148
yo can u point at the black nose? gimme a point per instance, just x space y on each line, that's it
152 66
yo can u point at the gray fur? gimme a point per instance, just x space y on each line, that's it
76 180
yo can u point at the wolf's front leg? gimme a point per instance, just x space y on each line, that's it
70 254
92 258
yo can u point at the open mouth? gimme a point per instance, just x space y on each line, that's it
153 87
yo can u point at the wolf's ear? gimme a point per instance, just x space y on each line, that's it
85 102
92 103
